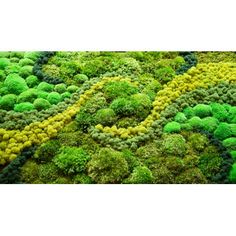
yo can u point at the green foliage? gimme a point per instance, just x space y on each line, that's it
108 166
2 75
54 98
180 117
80 79
60 88
202 110
113 90
13 68
28 96
165 74
209 124
7 102
141 175
232 115
32 81
82 179
72 89
46 151
41 104
26 71
65 95
195 122
174 144
230 143
189 112
26 62
48 172
29 172
105 116
191 176
4 62
172 127
223 131
15 84
24 106
219 111
44 86
124 106
71 160
233 155
233 129
42 94
84 120
197 141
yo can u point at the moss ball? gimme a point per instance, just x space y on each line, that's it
41 104
105 116
24 106
27 96
195 122
202 110
141 175
26 62
209 124
172 127
219 111
7 102
223 131
180 117
25 71
72 89
44 86
15 84
65 95
60 88
32 81
232 174
2 75
233 155
189 112
12 68
80 78
42 94
54 97
4 62
31 55
230 143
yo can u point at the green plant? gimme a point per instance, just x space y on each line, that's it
202 110
29 172
28 96
24 106
48 172
4 62
172 127
65 95
26 71
72 88
197 141
71 160
41 104
80 78
15 84
191 176
230 143
82 179
44 86
195 122
219 111
7 102
165 74
108 166
233 155
54 97
84 120
141 175
32 81
180 117
26 62
232 174
209 124
60 88
223 131
105 116
42 94
174 144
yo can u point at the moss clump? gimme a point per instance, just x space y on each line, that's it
44 86
26 62
54 98
108 166
32 81
219 111
26 71
80 78
28 96
202 110
180 117
41 104
191 176
7 102
233 155
232 174
174 144
24 106
71 160
72 89
165 74
48 172
82 179
65 95
197 141
42 94
172 127
230 143
223 131
105 116
232 115
209 124
189 112
15 84
60 88
195 122
141 175
4 62
29 172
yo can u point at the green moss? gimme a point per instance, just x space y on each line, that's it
2 75
71 160
202 110
180 117
24 106
165 74
80 78
44 86
32 81
233 129
28 96
26 62
191 176
42 94
197 141
230 143
48 172
141 175
174 144
189 112
60 88
26 71
72 89
105 116
233 155
172 127
219 111
232 115
54 98
7 102
15 84
232 175
29 172
41 104
13 68
108 166
82 179
84 120
65 95
223 131
31 55
209 124
4 62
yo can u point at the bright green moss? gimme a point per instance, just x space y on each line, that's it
84 120
223 131
233 155
44 86
172 127
13 68
54 98
82 179
42 94
26 62
209 124
71 160
29 172
232 175
230 143
105 116
202 110
219 111
32 81
2 75
195 122
26 71
189 112
65 95
80 78
180 117
165 74
191 176
31 55
233 129
197 141
28 96
4 62
72 89
41 104
15 84
232 115
7 102
24 106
